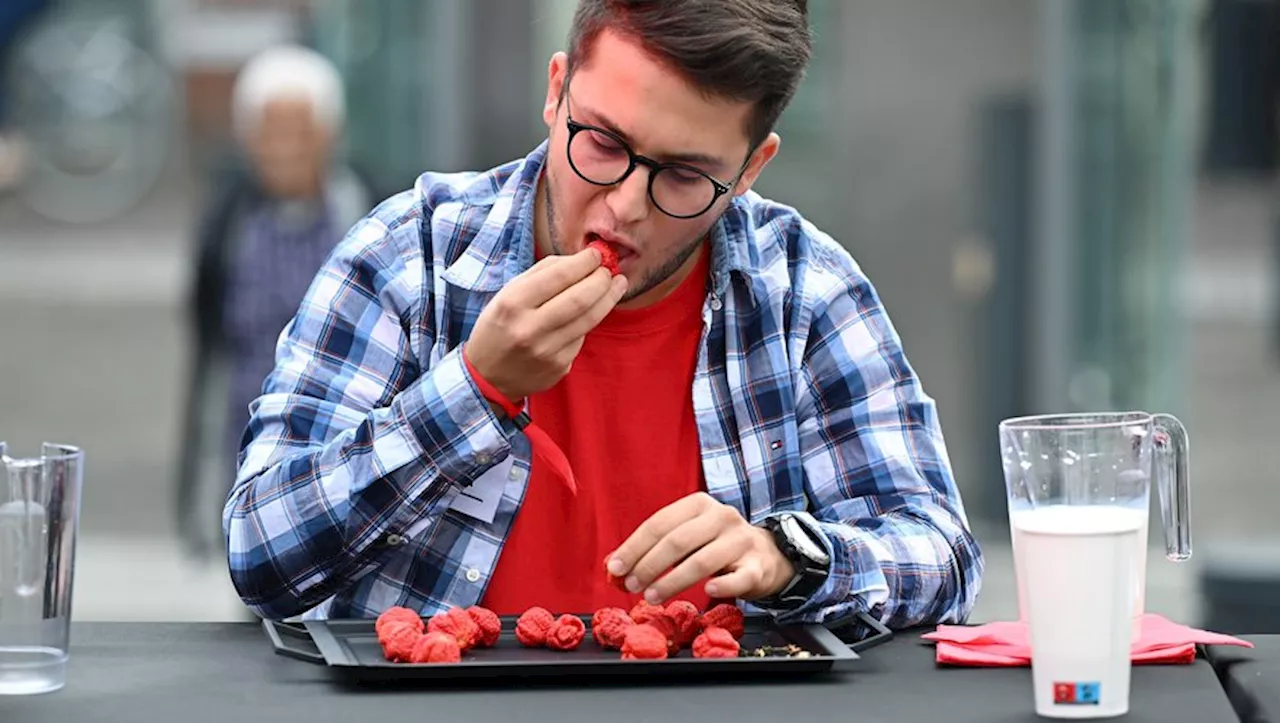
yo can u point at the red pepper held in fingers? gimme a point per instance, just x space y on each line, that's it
608 256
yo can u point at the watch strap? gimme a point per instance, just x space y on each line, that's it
809 574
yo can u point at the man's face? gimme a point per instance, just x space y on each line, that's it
289 148
660 116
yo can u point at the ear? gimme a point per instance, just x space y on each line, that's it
763 154
556 71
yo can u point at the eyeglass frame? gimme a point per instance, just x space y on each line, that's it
635 159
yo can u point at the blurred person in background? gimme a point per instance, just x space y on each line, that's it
15 17
277 213
471 408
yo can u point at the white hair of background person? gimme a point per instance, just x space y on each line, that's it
292 72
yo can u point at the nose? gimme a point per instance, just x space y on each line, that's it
629 200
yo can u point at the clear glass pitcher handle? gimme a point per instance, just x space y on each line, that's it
24 530
1172 475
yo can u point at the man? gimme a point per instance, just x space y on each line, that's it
275 216
469 408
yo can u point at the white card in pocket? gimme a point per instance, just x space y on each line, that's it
480 500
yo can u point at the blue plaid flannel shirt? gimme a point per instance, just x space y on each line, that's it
370 425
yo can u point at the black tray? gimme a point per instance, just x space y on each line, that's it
350 650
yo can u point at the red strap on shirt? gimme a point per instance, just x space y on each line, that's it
544 447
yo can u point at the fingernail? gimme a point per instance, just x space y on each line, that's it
633 584
616 567
651 595
712 590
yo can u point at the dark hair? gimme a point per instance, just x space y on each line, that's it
743 50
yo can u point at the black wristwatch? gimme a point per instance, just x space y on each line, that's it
804 549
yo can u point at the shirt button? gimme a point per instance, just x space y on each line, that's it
715 304
395 540
473 575
514 474
483 458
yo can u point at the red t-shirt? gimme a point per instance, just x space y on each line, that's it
624 418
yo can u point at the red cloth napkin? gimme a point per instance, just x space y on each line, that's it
1008 644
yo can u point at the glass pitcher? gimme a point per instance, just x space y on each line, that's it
39 516
1078 461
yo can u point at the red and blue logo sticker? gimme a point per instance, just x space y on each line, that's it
1077 693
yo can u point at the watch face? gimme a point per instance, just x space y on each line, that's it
803 542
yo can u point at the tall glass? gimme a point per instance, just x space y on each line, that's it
1079 491
39 516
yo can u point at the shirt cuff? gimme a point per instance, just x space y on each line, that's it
453 424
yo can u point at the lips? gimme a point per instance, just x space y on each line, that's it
620 247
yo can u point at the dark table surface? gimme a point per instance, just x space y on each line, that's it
1251 677
228 672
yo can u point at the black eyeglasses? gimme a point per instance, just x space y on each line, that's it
601 157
